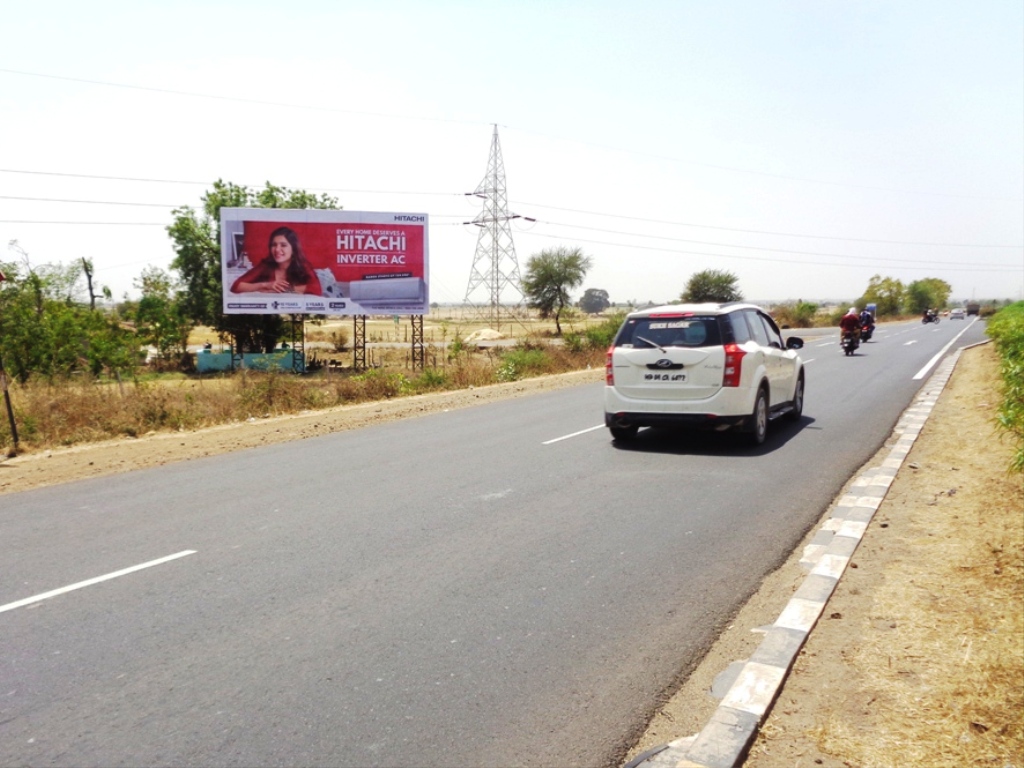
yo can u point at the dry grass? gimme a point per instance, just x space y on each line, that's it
439 326
940 674
919 658
77 411
954 667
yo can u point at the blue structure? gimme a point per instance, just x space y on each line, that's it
208 361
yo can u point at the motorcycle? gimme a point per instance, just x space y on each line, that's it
865 331
930 317
849 343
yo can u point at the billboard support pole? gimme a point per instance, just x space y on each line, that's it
359 342
418 353
298 343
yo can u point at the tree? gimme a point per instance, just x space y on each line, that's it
799 314
886 293
550 275
44 332
595 300
929 293
109 345
711 285
196 236
105 293
160 316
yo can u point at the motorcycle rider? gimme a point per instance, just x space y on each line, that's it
850 324
867 321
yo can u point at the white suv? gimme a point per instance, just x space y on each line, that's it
701 366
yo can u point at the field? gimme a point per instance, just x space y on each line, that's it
460 352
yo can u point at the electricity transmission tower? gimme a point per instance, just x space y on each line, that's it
495 287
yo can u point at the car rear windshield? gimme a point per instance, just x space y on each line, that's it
670 331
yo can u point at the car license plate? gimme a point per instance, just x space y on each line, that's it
670 377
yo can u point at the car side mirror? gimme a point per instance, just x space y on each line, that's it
794 342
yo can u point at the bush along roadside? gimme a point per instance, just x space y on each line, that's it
1006 328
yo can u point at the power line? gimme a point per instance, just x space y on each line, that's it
322 108
765 232
104 178
754 247
522 203
929 262
778 260
210 183
236 99
766 174
89 223
89 202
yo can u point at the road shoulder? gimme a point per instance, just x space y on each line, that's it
50 467
892 652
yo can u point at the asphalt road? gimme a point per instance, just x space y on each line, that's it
494 586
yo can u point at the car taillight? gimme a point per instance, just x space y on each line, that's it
609 376
733 365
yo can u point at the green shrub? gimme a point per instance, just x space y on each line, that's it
456 348
520 362
269 392
431 379
379 384
573 342
602 335
1007 331
802 314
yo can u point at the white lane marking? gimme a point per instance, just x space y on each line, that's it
908 343
496 495
805 362
574 434
928 366
90 582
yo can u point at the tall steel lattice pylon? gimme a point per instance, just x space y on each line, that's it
495 286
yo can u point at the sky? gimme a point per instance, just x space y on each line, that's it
804 146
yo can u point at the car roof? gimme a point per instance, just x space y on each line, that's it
706 308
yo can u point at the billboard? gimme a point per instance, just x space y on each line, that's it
323 262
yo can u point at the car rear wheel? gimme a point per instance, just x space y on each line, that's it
623 433
759 418
798 401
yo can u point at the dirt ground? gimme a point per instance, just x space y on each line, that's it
898 672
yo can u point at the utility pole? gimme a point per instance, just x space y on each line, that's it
495 286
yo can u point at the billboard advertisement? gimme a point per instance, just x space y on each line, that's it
323 262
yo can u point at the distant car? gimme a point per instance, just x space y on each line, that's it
958 314
701 366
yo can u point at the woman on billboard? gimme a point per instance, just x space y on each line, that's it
285 269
